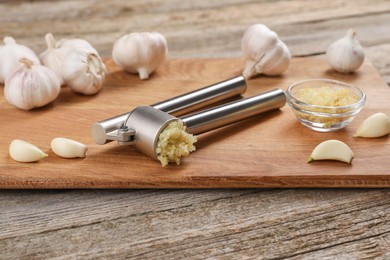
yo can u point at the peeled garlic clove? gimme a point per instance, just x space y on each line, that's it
140 53
83 71
332 150
264 52
377 125
10 54
22 151
346 54
31 85
68 148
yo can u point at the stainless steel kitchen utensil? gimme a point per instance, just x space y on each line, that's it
107 130
233 112
144 124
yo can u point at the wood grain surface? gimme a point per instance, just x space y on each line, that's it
269 150
198 224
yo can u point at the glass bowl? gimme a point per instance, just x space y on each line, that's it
325 105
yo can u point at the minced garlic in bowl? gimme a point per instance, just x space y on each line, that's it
174 142
323 104
327 96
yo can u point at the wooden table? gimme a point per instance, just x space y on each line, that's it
176 224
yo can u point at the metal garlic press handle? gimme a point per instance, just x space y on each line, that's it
191 101
178 105
232 112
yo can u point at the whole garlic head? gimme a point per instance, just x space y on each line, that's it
140 53
346 54
10 54
31 85
83 71
264 52
77 63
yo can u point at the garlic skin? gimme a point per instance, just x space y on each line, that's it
376 125
68 148
264 52
346 54
332 150
22 151
10 54
77 63
140 53
31 85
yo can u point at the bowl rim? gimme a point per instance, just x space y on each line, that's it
359 103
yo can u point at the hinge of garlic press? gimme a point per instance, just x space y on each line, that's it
124 135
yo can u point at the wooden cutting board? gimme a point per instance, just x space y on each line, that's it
269 150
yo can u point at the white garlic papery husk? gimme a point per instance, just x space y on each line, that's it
75 44
346 54
10 54
83 71
264 52
31 85
76 62
140 53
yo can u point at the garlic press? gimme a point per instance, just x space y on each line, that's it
143 125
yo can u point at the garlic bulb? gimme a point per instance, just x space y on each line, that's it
22 151
76 62
140 53
83 71
376 125
264 52
346 54
31 85
10 54
68 148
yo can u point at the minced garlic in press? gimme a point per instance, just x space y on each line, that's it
174 142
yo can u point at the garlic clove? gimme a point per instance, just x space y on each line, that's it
346 55
22 151
376 125
140 53
31 85
264 52
10 54
332 150
68 148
